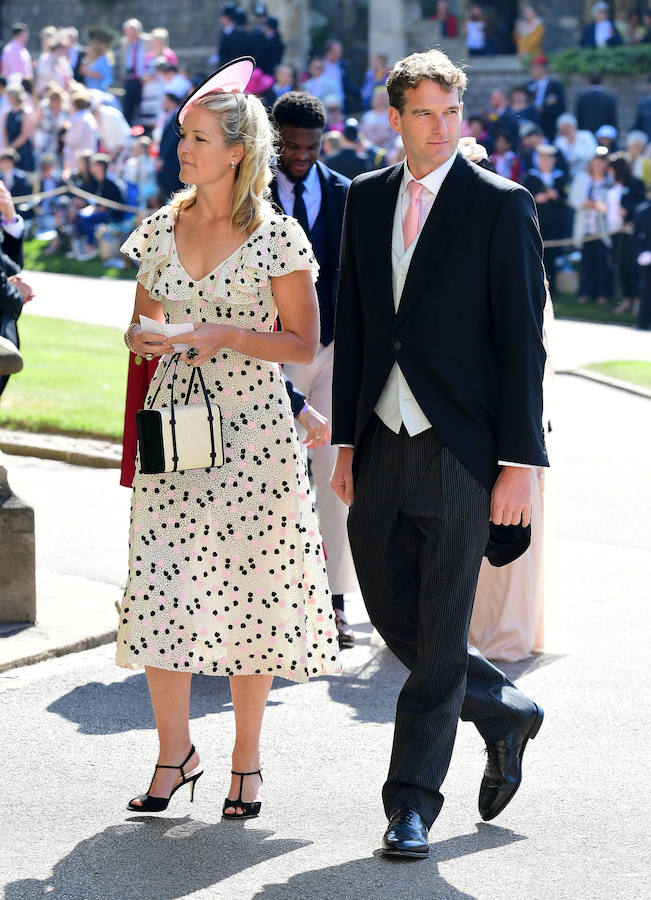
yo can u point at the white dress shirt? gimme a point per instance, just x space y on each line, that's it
541 87
15 227
311 194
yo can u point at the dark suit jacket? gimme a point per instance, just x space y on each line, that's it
588 37
552 107
268 51
642 231
643 117
333 199
11 301
468 331
168 176
12 252
552 215
238 42
594 108
348 162
508 124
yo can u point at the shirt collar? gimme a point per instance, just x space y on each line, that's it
310 181
431 181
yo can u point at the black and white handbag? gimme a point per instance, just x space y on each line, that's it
180 436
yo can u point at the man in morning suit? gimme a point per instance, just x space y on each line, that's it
548 96
437 411
315 195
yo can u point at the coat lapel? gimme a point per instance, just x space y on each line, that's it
379 267
445 217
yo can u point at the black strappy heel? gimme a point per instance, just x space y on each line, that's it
158 804
251 810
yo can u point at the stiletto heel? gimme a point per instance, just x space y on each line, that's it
158 804
252 809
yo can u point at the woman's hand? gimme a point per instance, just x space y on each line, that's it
317 427
145 343
7 208
208 340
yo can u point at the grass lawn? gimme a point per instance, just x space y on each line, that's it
93 268
566 307
74 380
625 370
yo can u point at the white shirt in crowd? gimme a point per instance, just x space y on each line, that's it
603 33
311 194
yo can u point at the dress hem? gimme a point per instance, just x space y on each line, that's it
301 678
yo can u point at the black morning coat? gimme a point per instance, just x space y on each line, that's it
468 331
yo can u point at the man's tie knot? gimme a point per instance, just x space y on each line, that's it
415 189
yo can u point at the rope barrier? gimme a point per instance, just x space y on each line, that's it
69 188
136 210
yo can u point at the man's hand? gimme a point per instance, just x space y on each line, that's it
511 497
26 292
317 427
342 476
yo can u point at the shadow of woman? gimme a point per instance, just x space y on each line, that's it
154 857
377 878
121 706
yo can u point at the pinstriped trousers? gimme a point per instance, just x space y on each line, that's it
418 528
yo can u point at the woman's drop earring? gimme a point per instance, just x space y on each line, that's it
232 164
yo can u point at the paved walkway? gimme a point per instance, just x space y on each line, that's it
82 739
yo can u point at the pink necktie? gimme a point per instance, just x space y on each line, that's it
411 221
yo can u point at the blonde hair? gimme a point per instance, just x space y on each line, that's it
162 34
242 119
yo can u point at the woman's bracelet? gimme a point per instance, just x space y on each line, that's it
127 336
306 406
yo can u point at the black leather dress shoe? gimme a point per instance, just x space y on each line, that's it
406 835
503 772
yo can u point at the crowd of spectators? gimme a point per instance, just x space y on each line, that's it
487 33
71 117
104 121
587 175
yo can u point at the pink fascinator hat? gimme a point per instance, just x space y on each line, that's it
232 77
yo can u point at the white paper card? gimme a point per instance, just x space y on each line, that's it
155 327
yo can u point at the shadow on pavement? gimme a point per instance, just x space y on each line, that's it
376 878
517 670
151 857
372 689
125 706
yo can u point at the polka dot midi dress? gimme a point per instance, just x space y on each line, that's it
226 567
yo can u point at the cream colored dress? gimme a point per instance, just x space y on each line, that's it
226 568
508 616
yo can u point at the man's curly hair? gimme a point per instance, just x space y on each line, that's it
299 109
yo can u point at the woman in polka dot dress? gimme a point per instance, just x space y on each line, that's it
226 568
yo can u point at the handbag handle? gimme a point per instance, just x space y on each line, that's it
196 370
211 418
